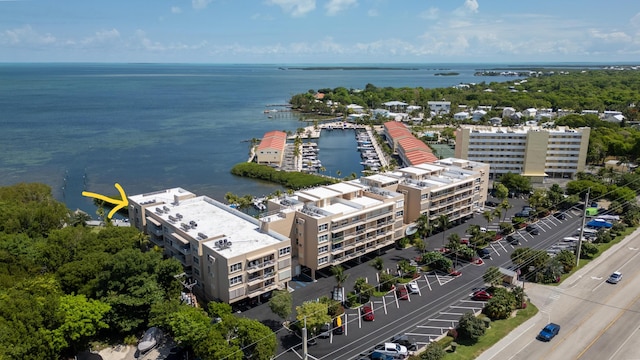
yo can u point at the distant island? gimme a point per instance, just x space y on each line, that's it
347 68
451 73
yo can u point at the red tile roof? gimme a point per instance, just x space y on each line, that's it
273 140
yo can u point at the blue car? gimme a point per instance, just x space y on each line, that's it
549 332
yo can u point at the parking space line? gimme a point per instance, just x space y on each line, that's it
494 249
449 313
428 283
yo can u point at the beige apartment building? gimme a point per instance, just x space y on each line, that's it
329 225
228 254
532 151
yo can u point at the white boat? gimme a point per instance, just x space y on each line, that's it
149 339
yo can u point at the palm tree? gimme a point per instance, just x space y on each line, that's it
425 228
505 205
443 222
488 215
377 263
339 275
143 241
79 218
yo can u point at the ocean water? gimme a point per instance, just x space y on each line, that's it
85 127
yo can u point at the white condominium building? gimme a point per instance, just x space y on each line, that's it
329 225
531 151
228 254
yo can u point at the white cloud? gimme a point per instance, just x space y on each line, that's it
635 21
336 6
373 13
430 14
101 37
25 35
200 4
176 10
469 7
296 8
614 36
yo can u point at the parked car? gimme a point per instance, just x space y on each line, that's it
149 339
367 313
406 341
481 295
491 203
484 253
615 277
338 326
549 332
413 287
513 240
377 355
533 230
325 330
393 349
402 292
560 216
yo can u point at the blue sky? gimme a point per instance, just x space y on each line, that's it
320 31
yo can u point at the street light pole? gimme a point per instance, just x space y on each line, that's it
584 217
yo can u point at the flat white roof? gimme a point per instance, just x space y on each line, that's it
214 220
163 196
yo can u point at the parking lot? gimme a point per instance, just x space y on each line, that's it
424 316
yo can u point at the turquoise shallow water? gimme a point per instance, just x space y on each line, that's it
152 126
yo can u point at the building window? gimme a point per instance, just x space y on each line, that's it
323 238
235 267
424 196
323 260
399 213
235 280
285 251
323 227
323 249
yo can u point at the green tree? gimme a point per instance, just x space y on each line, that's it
516 182
80 319
567 259
434 351
470 327
219 309
588 250
314 314
500 305
492 276
500 191
255 339
281 303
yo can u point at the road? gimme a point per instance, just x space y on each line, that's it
599 320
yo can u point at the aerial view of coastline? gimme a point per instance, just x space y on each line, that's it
307 179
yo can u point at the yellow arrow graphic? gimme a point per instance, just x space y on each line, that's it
119 203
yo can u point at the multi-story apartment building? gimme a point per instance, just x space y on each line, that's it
228 254
531 151
329 225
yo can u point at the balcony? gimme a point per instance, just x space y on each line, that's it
257 266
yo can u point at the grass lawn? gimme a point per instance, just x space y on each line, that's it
499 329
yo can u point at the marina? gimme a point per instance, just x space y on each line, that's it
372 158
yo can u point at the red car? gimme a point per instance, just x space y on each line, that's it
367 313
403 294
481 295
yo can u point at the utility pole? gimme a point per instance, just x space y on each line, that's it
304 340
584 217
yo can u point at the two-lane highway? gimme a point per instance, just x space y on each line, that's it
599 320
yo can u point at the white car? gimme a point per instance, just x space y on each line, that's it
413 288
392 349
615 277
